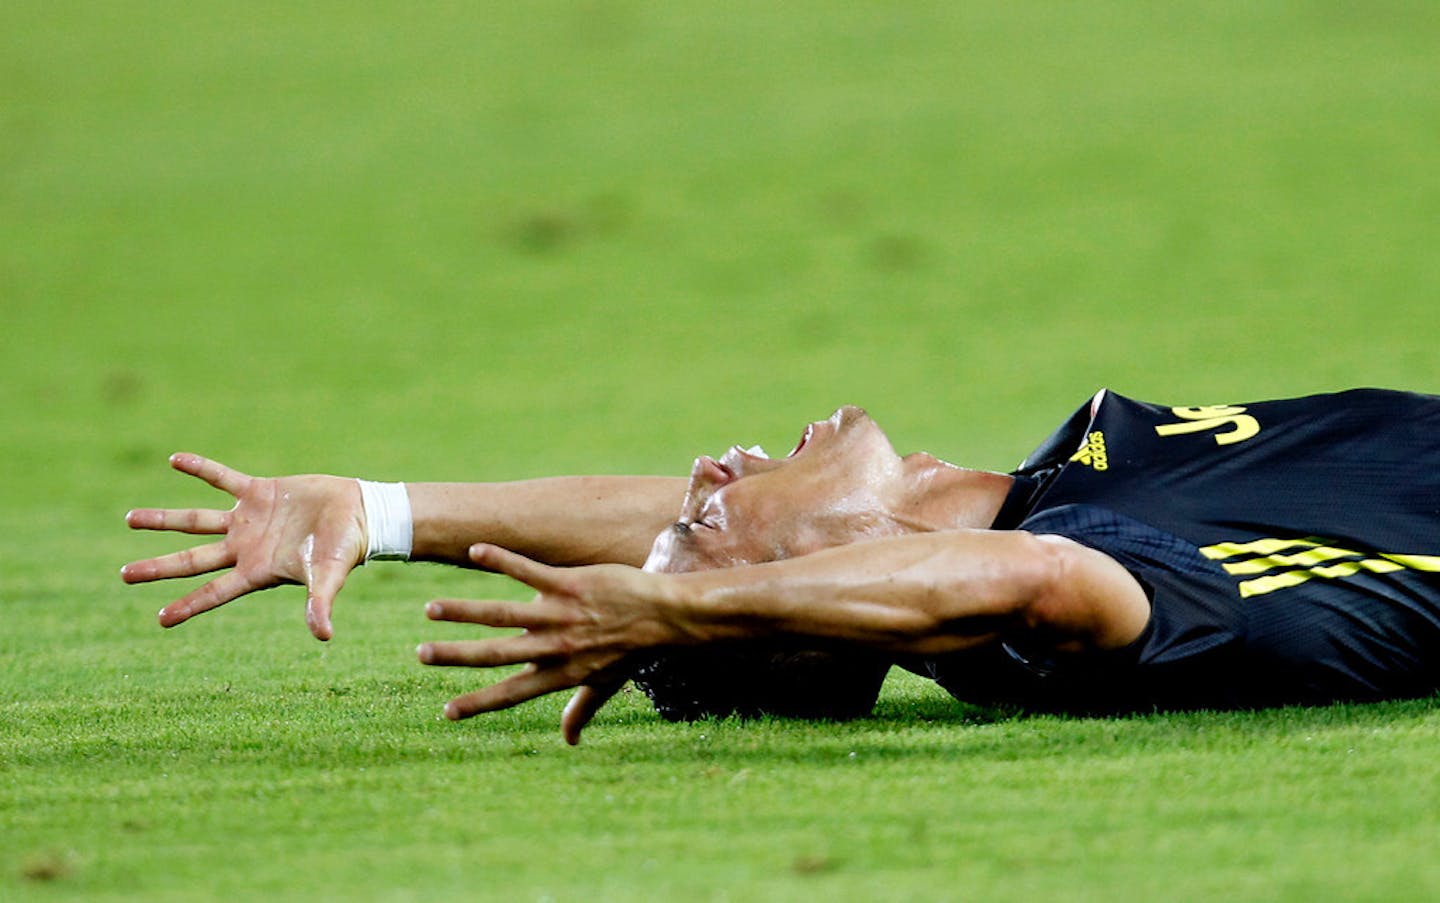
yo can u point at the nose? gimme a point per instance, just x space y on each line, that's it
706 478
709 474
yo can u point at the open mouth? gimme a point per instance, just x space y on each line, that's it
734 461
805 438
754 453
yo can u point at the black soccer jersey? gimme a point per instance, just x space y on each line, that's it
1291 551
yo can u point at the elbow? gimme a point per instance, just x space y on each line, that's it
1079 599
1048 589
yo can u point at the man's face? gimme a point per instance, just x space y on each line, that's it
746 508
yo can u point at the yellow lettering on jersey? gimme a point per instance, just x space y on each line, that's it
1213 417
1308 563
1092 453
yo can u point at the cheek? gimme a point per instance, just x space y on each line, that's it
756 529
660 555
670 554
789 521
675 552
842 527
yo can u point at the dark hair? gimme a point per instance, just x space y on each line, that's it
752 679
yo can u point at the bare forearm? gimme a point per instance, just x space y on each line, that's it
557 520
922 594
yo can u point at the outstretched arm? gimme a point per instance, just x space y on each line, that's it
558 520
922 594
311 530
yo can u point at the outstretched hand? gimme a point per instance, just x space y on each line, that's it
306 530
578 633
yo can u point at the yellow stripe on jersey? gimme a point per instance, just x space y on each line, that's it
1258 547
1269 584
1416 562
1317 555
1306 560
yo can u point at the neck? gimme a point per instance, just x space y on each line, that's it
941 496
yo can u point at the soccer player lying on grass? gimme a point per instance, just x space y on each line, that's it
1281 552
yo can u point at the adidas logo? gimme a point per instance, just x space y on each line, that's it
1092 454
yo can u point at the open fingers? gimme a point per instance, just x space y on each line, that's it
184 563
216 474
494 613
528 684
201 521
212 595
510 650
540 577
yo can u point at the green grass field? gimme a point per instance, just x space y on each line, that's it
450 241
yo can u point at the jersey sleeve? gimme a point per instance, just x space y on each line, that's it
1207 646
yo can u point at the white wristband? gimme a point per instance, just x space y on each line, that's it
389 526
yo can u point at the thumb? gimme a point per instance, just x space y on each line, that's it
329 556
588 700
326 579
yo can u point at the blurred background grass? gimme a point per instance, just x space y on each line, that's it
485 241
446 240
